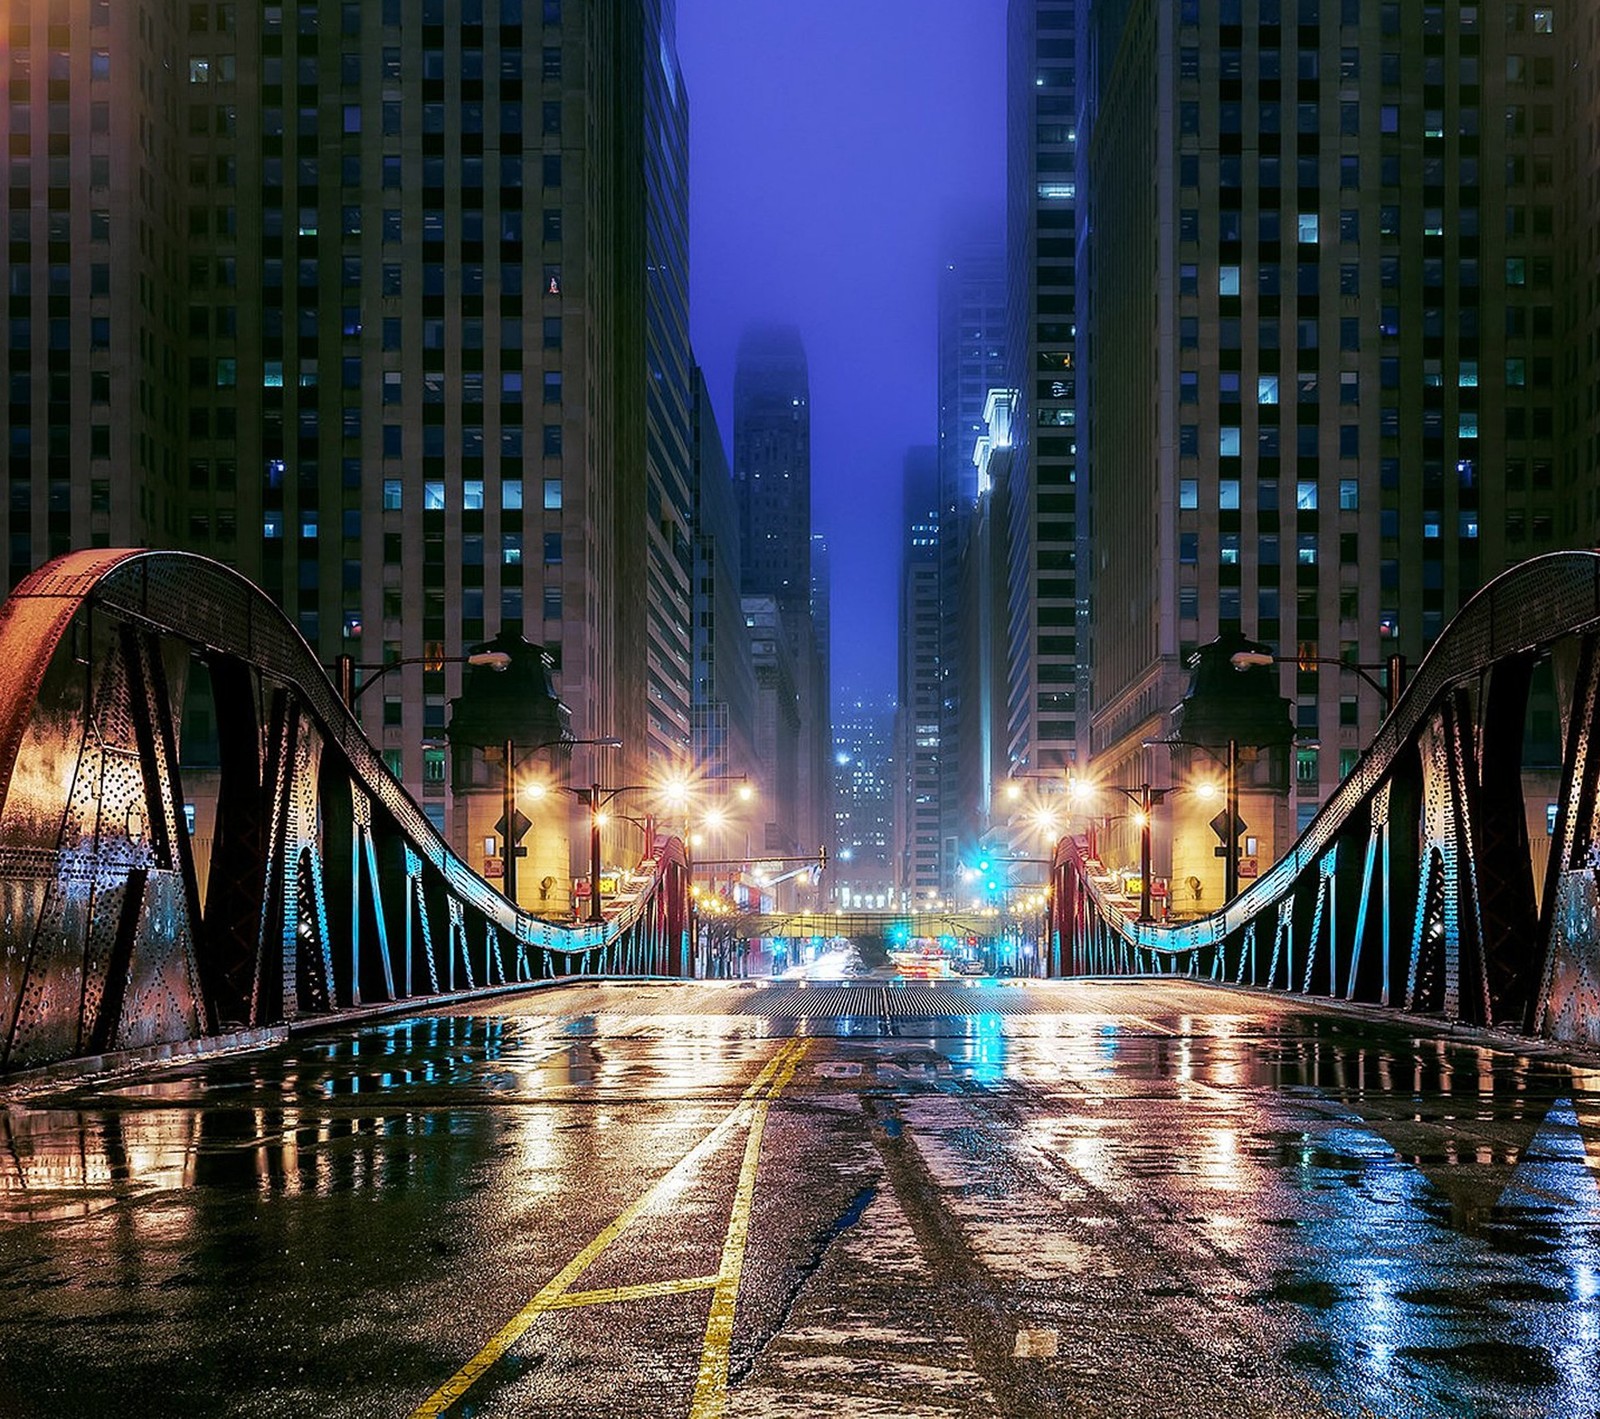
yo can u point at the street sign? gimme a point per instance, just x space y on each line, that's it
521 819
494 867
1219 825
580 886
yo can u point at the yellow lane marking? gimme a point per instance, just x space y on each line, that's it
548 1297
711 1388
641 1292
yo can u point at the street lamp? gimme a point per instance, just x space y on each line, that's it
1230 835
1144 797
509 796
1394 669
345 668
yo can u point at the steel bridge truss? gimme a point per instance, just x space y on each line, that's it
327 887
1415 886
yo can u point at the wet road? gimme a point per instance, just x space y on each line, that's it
1068 1199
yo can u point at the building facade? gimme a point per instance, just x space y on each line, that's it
669 396
772 463
723 687
353 297
1327 328
862 872
971 362
918 742
1046 690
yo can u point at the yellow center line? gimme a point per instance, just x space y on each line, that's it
642 1292
555 1289
711 1388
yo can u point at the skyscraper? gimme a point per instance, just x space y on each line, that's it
971 362
918 733
669 398
370 301
723 688
1044 718
772 463
862 874
772 478
1328 317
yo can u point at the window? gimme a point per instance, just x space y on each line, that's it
1305 496
1267 389
552 494
1307 228
1228 494
1349 495
1188 493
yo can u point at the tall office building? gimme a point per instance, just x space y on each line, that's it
823 780
862 874
366 300
772 478
772 463
1046 690
981 662
971 362
723 689
1577 105
669 395
1330 300
918 743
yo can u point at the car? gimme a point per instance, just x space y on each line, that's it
971 968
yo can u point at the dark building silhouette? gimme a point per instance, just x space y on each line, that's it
772 464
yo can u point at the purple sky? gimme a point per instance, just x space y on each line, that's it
828 140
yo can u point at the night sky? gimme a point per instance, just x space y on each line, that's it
828 141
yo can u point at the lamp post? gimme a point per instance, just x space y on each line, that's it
1145 796
1230 835
1394 670
509 796
597 795
345 668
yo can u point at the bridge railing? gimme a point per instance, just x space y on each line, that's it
326 887
1415 885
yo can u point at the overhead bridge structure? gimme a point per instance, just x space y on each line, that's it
859 925
1423 883
322 885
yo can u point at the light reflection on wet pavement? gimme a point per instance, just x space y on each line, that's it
1088 1198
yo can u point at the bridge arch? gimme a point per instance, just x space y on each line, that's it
327 885
1418 884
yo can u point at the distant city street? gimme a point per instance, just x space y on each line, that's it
938 1198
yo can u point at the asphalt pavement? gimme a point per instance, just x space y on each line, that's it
864 1199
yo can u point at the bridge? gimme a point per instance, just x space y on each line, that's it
1416 886
1287 1159
326 887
